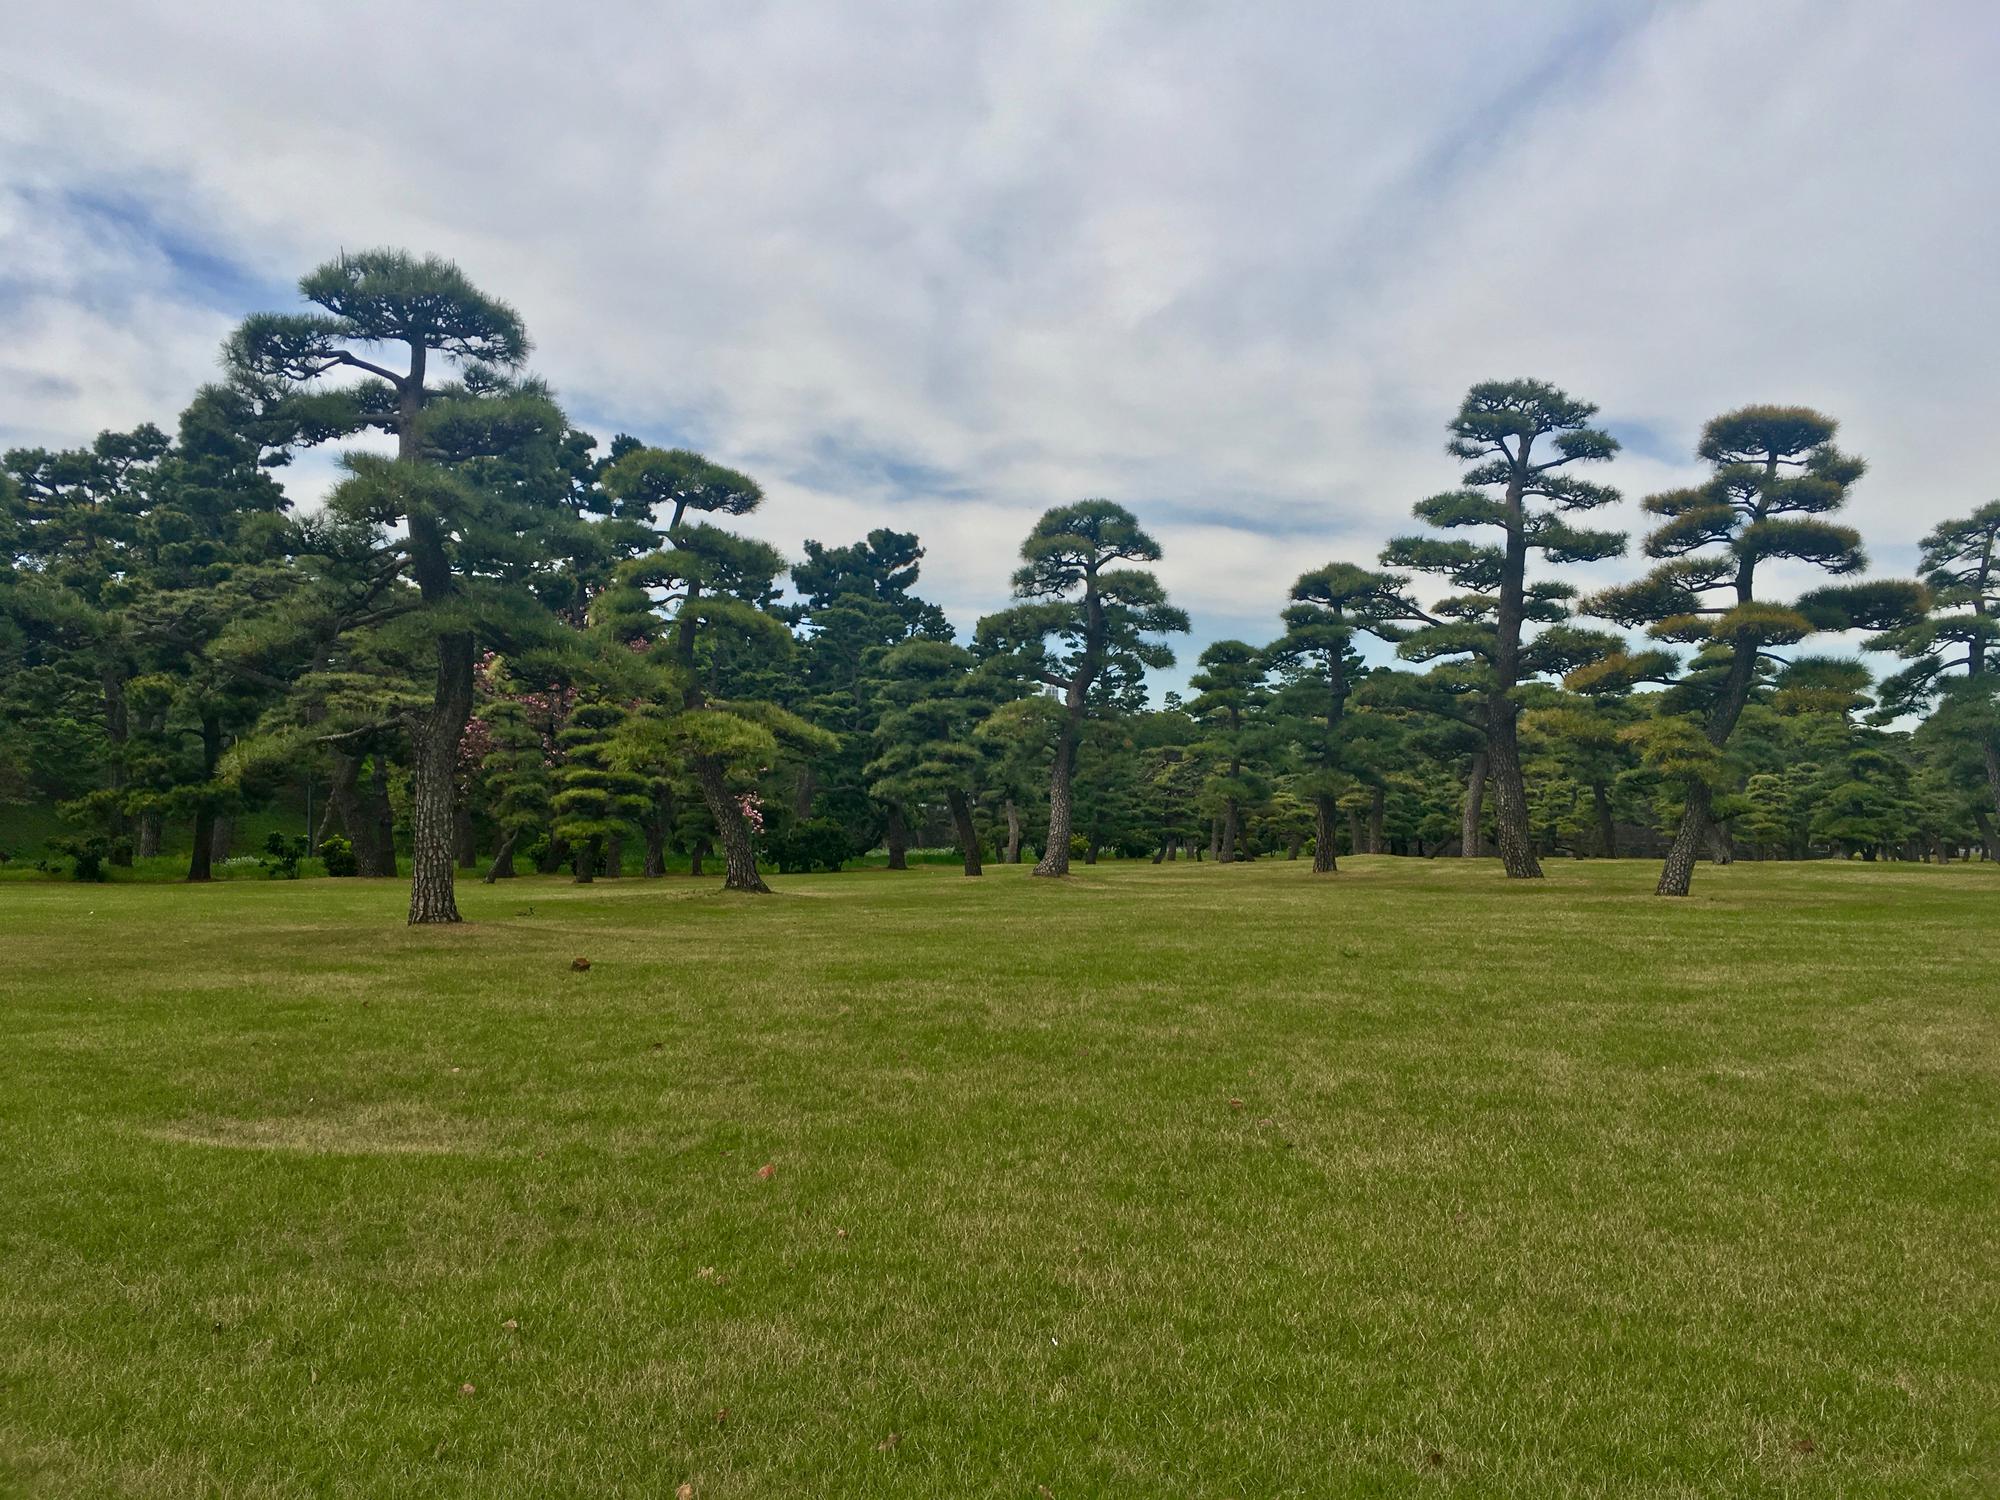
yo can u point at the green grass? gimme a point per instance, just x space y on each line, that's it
1534 1190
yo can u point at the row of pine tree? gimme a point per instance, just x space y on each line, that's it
498 644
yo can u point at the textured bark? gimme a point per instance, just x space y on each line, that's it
739 854
1377 808
968 836
1354 841
1013 833
1325 855
587 856
1475 807
1055 853
432 773
149 834
613 865
502 867
1293 843
1678 874
1232 824
697 851
656 847
896 838
1510 796
222 839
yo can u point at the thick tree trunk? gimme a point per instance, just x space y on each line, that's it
1173 847
1013 833
1721 845
343 800
1293 843
1510 796
739 853
896 838
697 851
1377 808
1475 807
1232 822
1160 854
587 856
1989 837
656 848
1677 877
149 834
1355 845
613 865
1055 853
502 867
1325 855
1607 828
433 770
968 835
222 839
1090 853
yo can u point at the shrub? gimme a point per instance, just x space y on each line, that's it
282 855
815 844
337 854
87 853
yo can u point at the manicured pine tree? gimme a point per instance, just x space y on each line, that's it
517 777
1519 436
1952 648
932 701
1082 617
703 598
1317 668
467 546
1776 477
1230 702
597 799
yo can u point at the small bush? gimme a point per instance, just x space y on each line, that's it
282 855
337 854
88 853
815 844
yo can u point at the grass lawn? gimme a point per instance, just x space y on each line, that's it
1178 1181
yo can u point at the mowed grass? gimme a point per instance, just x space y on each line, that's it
1186 1181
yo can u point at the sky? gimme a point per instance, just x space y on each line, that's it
939 267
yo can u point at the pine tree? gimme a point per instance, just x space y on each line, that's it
1776 477
597 799
1103 621
1518 435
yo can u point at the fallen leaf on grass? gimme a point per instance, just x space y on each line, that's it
511 1324
889 1442
685 1492
581 965
721 1415
766 1172
466 1389
1237 1105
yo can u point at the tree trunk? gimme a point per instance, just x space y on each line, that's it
968 836
1232 819
1475 806
1721 846
384 816
502 867
1090 852
201 863
1354 843
1325 856
118 730
1160 854
739 853
656 847
1989 838
1510 796
1173 847
1377 807
149 834
587 854
1293 843
222 840
803 790
464 844
896 838
1013 833
1678 875
1607 828
433 770
697 851
614 857
1055 853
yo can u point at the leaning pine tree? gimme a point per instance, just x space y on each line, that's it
365 362
1084 623
1777 476
1519 436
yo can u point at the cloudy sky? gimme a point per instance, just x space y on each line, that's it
941 266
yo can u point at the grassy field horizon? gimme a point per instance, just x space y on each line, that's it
1185 1179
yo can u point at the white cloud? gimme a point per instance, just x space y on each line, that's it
1230 266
